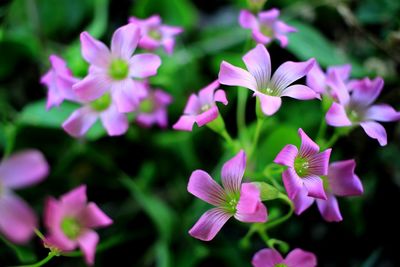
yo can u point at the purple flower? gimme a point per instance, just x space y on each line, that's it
59 81
70 222
341 181
233 199
265 26
112 71
156 34
355 107
258 79
22 169
296 258
201 108
305 167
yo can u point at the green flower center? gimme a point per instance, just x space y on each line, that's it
71 227
231 203
205 107
146 106
155 34
268 91
102 103
280 265
266 30
301 165
118 69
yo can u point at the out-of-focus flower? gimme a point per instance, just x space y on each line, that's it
20 170
258 79
59 81
201 108
265 26
113 71
234 199
272 258
156 34
70 222
305 167
341 181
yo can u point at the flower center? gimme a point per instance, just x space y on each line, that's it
231 203
301 166
146 106
268 91
155 34
102 103
266 30
71 227
280 265
118 69
205 107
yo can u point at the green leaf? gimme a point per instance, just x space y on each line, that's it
268 192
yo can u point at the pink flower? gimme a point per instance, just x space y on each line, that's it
201 108
258 79
22 169
70 222
305 167
241 201
341 181
59 81
265 26
355 107
156 34
296 258
113 71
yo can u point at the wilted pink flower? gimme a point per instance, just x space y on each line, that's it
201 108
156 34
22 169
70 222
355 107
59 81
305 167
233 199
296 258
265 26
341 181
113 71
258 79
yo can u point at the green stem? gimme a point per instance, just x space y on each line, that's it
321 130
42 262
260 122
281 220
332 140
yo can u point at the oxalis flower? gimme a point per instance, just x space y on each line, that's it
296 258
258 79
305 167
341 181
70 220
265 26
234 199
156 34
355 107
114 71
201 108
20 170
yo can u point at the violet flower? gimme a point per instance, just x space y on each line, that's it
272 258
305 167
234 199
258 79
20 170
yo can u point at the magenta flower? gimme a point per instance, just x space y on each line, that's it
355 107
59 81
22 169
341 181
113 71
265 26
258 79
70 222
305 167
296 258
156 34
201 108
241 201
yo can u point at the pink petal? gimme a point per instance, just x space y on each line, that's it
300 92
375 131
206 95
289 72
149 43
207 116
124 41
114 122
287 156
80 122
185 123
209 224
308 147
94 51
269 16
234 76
127 94
258 63
382 112
336 116
169 45
92 87
259 37
293 183
329 209
204 187
232 172
316 79
250 209
343 71
170 31
247 20
144 65
23 169
193 106
314 186
269 104
302 202
52 213
338 87
266 258
93 217
74 202
300 258
220 96
88 242
367 91
319 162
342 179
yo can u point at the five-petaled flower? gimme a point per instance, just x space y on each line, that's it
233 199
272 258
258 79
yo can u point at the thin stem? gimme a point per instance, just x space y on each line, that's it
42 262
281 220
260 122
322 130
332 140
241 109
